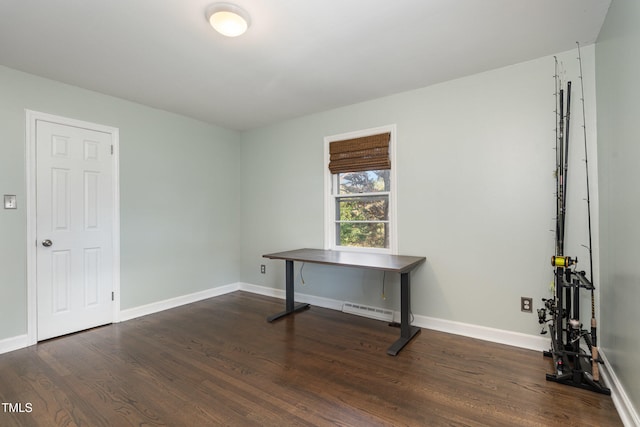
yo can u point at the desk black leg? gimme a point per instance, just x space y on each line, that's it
407 332
290 305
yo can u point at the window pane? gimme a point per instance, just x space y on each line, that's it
365 235
363 182
364 208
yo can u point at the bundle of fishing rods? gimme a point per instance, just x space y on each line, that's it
575 364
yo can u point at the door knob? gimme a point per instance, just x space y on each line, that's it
47 243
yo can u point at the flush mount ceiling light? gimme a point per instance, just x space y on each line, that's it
228 19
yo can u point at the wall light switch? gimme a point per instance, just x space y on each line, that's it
10 201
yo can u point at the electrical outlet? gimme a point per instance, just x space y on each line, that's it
263 268
526 304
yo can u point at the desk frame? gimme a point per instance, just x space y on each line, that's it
393 263
290 305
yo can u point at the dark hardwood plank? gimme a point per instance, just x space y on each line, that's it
218 362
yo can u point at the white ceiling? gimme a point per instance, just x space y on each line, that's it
298 57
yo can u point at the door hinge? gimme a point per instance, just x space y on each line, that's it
112 149
112 296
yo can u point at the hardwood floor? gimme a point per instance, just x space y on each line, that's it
218 362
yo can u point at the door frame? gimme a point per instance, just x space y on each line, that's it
30 137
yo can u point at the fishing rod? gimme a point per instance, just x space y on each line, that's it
567 118
551 304
562 312
594 339
558 160
570 303
560 208
559 261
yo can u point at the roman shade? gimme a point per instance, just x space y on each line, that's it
360 154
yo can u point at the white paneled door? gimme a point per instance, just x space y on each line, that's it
74 228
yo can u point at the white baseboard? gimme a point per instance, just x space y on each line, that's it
262 290
500 336
167 304
628 413
300 297
13 343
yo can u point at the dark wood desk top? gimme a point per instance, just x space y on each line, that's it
393 263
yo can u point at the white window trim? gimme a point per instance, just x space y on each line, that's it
329 208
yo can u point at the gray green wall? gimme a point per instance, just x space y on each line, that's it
179 195
618 85
475 194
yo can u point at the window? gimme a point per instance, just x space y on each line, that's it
360 184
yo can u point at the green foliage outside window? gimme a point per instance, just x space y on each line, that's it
364 209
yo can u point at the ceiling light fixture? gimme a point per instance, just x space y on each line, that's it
228 19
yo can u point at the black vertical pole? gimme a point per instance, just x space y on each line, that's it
567 117
559 222
558 323
560 179
405 329
289 286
